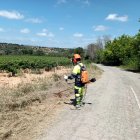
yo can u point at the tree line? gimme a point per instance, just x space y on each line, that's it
16 49
123 50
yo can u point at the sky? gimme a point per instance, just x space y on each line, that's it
66 23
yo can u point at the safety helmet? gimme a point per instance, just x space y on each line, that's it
76 58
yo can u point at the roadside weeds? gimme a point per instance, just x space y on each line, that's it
27 109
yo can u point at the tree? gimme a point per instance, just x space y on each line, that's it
80 51
91 51
39 52
101 41
121 48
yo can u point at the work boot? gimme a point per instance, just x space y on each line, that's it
82 104
77 106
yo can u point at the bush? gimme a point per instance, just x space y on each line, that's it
132 63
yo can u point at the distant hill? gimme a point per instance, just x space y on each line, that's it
16 49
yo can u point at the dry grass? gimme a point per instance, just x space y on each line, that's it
22 104
33 103
94 71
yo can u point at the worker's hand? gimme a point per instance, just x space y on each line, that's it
66 77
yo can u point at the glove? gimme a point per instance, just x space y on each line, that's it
66 77
92 80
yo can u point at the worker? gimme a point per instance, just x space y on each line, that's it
79 87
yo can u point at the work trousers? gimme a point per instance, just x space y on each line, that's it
79 93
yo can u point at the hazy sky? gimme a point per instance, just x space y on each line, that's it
66 23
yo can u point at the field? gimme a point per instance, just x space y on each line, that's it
15 63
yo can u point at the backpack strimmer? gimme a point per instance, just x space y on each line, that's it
84 75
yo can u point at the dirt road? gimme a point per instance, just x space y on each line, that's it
113 115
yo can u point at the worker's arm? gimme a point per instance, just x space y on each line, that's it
74 74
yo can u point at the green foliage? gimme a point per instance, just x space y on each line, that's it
132 63
15 49
124 50
120 50
15 63
99 57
